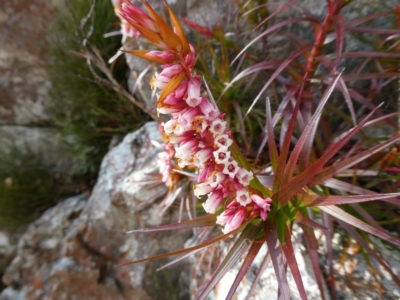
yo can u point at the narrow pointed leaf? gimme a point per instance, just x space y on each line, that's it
186 250
316 200
339 29
346 187
280 171
153 37
312 249
277 257
359 21
304 220
278 71
277 11
287 248
273 150
269 31
250 256
260 271
208 220
262 66
239 248
171 86
167 34
179 31
306 139
326 219
340 214
339 167
281 108
371 252
142 54
369 123
298 182
370 30
370 54
198 28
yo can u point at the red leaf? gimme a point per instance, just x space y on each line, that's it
339 29
239 248
282 66
208 220
260 271
304 220
250 256
281 8
270 30
317 200
371 252
278 259
312 249
340 214
287 248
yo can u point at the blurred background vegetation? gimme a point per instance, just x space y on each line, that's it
87 117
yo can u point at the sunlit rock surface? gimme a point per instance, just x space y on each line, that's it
72 251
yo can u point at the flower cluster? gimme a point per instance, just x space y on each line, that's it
126 29
197 130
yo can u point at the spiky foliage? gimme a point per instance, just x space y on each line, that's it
304 159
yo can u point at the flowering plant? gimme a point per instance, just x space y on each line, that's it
261 207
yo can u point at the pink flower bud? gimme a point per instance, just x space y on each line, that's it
209 111
162 54
193 92
202 189
204 155
215 179
214 200
263 203
181 90
159 81
170 70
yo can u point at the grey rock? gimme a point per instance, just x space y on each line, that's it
72 251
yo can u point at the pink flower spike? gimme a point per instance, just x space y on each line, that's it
189 146
221 155
209 111
182 137
181 90
264 204
223 141
171 70
217 127
204 155
134 13
172 99
230 168
215 179
234 220
199 124
162 54
243 197
244 176
159 81
169 126
202 189
205 173
178 108
193 92
214 200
